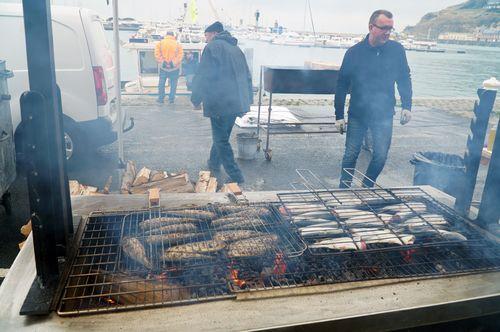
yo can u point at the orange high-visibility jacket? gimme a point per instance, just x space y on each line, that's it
168 50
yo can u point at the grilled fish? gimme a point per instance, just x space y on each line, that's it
243 224
163 221
193 213
171 239
382 236
134 249
202 247
230 208
346 213
231 236
248 212
338 244
251 247
175 228
318 231
402 208
182 256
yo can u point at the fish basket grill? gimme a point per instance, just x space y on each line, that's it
336 222
108 272
431 256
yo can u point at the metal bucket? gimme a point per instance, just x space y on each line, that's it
247 145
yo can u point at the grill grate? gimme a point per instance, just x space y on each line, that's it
122 262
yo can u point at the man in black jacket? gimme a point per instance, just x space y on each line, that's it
224 85
370 69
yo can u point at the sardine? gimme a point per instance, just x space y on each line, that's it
175 228
323 214
243 224
171 239
346 213
382 236
312 222
149 224
338 244
231 236
192 213
446 235
134 249
182 256
318 231
403 208
202 247
230 208
251 247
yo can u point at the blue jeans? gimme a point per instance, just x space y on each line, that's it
173 76
221 152
381 131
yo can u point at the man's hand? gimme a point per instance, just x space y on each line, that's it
340 124
405 117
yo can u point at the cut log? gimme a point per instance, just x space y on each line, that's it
154 197
88 190
74 188
156 176
142 177
26 229
107 185
128 178
232 188
178 184
202 184
212 185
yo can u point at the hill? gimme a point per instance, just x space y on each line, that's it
466 17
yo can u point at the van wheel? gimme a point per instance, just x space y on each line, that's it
73 145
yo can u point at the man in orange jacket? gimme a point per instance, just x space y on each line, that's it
168 54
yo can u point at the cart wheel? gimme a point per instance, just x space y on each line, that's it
7 203
268 155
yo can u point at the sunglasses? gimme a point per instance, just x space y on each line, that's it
386 28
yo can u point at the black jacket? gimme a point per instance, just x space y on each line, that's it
223 81
370 72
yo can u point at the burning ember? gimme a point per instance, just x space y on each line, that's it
233 276
279 268
110 301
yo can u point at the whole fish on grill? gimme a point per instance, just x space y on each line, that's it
318 231
337 244
164 221
346 213
134 249
439 235
243 224
175 228
192 213
369 219
381 236
251 247
230 208
202 247
403 208
175 256
171 239
247 213
231 236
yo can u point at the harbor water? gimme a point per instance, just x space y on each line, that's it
434 75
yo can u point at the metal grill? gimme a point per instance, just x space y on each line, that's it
161 257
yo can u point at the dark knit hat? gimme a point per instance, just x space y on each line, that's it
215 27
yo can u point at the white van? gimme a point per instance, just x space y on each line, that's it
84 73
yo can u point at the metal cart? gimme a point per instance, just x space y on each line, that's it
293 80
7 151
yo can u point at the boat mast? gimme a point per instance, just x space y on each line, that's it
312 21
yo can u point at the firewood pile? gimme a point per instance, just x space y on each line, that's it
139 182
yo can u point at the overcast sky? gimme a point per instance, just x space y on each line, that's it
328 15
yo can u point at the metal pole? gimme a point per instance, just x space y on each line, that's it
116 39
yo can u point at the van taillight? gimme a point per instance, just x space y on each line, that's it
100 86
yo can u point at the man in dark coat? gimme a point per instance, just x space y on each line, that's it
224 85
371 69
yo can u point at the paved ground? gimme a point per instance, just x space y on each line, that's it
177 138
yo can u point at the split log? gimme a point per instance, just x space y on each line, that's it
142 177
212 185
178 184
128 178
107 185
232 188
157 176
202 184
154 197
88 190
74 188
